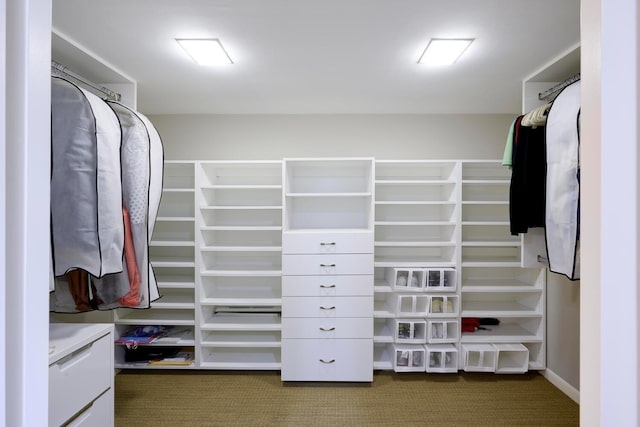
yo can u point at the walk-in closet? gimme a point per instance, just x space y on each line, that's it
323 223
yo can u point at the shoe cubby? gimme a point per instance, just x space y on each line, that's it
409 358
442 358
404 279
443 331
410 331
479 357
440 279
177 203
444 306
411 305
511 358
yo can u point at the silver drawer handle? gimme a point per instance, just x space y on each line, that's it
333 307
327 286
327 330
328 244
328 361
327 265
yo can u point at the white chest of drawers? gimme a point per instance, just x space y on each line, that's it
81 375
327 307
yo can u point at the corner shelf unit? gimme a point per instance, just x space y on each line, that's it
441 225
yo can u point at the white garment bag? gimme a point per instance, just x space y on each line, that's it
563 183
142 165
86 203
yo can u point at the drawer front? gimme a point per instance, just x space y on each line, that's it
318 286
77 379
99 413
327 242
326 307
327 265
327 328
327 360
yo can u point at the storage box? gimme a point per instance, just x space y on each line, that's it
410 331
442 358
443 306
511 358
405 279
408 358
440 279
479 357
411 305
443 331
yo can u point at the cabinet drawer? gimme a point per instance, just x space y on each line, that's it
98 413
327 242
327 360
324 307
327 328
77 379
327 265
311 286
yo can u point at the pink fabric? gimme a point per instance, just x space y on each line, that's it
132 298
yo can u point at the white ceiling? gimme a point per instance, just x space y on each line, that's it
322 56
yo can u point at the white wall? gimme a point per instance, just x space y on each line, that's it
590 214
27 119
620 214
223 137
3 166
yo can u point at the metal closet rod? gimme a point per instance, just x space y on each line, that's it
67 72
544 96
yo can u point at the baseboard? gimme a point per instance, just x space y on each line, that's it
562 385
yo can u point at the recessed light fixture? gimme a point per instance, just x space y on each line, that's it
205 51
444 51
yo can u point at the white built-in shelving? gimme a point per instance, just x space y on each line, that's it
239 258
172 255
242 250
493 285
417 218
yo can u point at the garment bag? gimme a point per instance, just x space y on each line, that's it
135 287
86 204
563 183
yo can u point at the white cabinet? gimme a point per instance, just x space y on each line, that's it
81 374
172 255
327 268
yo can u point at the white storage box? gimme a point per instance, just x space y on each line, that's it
443 331
479 357
443 306
442 358
410 331
440 279
511 358
411 305
405 279
408 358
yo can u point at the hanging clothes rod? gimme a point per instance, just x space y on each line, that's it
64 71
550 94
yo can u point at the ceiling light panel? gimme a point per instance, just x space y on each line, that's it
205 51
444 51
